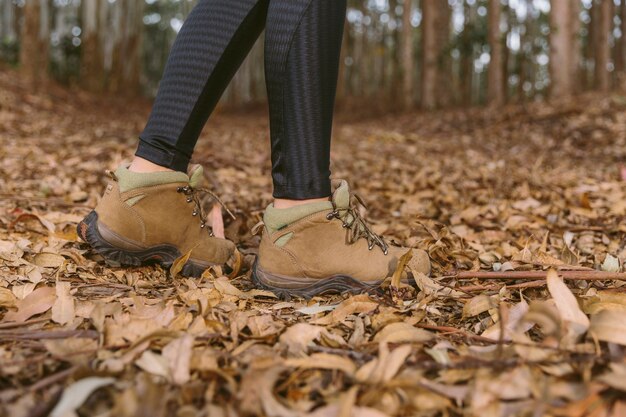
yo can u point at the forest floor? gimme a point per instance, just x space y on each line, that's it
536 187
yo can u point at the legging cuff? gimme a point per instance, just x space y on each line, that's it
320 189
165 158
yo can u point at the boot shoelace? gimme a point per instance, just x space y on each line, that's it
194 196
356 225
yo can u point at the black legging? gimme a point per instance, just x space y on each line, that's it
302 48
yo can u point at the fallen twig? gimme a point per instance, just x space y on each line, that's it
42 334
24 323
52 379
534 275
495 287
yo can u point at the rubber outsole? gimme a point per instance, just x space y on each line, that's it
337 284
163 255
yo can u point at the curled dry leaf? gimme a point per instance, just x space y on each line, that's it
76 394
154 363
298 337
76 350
609 326
178 354
397 274
478 305
179 263
354 305
402 332
323 361
7 299
385 367
576 321
48 260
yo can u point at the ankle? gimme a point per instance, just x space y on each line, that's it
141 165
280 203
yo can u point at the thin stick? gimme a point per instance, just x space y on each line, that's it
534 275
52 379
43 334
495 287
24 323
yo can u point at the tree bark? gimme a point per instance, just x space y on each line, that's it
408 59
444 62
91 71
34 43
620 47
576 52
430 54
561 46
602 47
495 91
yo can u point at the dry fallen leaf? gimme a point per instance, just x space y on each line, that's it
76 394
577 322
63 308
609 326
402 332
37 302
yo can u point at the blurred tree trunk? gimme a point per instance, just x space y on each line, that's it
7 29
602 47
131 77
495 91
576 52
91 66
117 33
444 63
620 46
408 59
435 25
467 57
34 43
561 47
364 64
429 55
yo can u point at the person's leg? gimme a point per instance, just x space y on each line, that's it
152 211
302 49
211 45
315 239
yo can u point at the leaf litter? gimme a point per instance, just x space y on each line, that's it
527 188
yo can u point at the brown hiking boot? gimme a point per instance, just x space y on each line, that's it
330 248
156 218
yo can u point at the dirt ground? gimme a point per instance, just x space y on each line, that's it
503 192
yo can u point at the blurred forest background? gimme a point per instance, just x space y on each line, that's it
433 53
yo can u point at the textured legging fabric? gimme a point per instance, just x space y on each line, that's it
302 48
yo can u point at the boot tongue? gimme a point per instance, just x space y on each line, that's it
196 175
341 196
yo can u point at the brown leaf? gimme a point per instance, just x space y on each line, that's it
48 260
402 332
37 302
63 308
179 263
609 326
577 322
